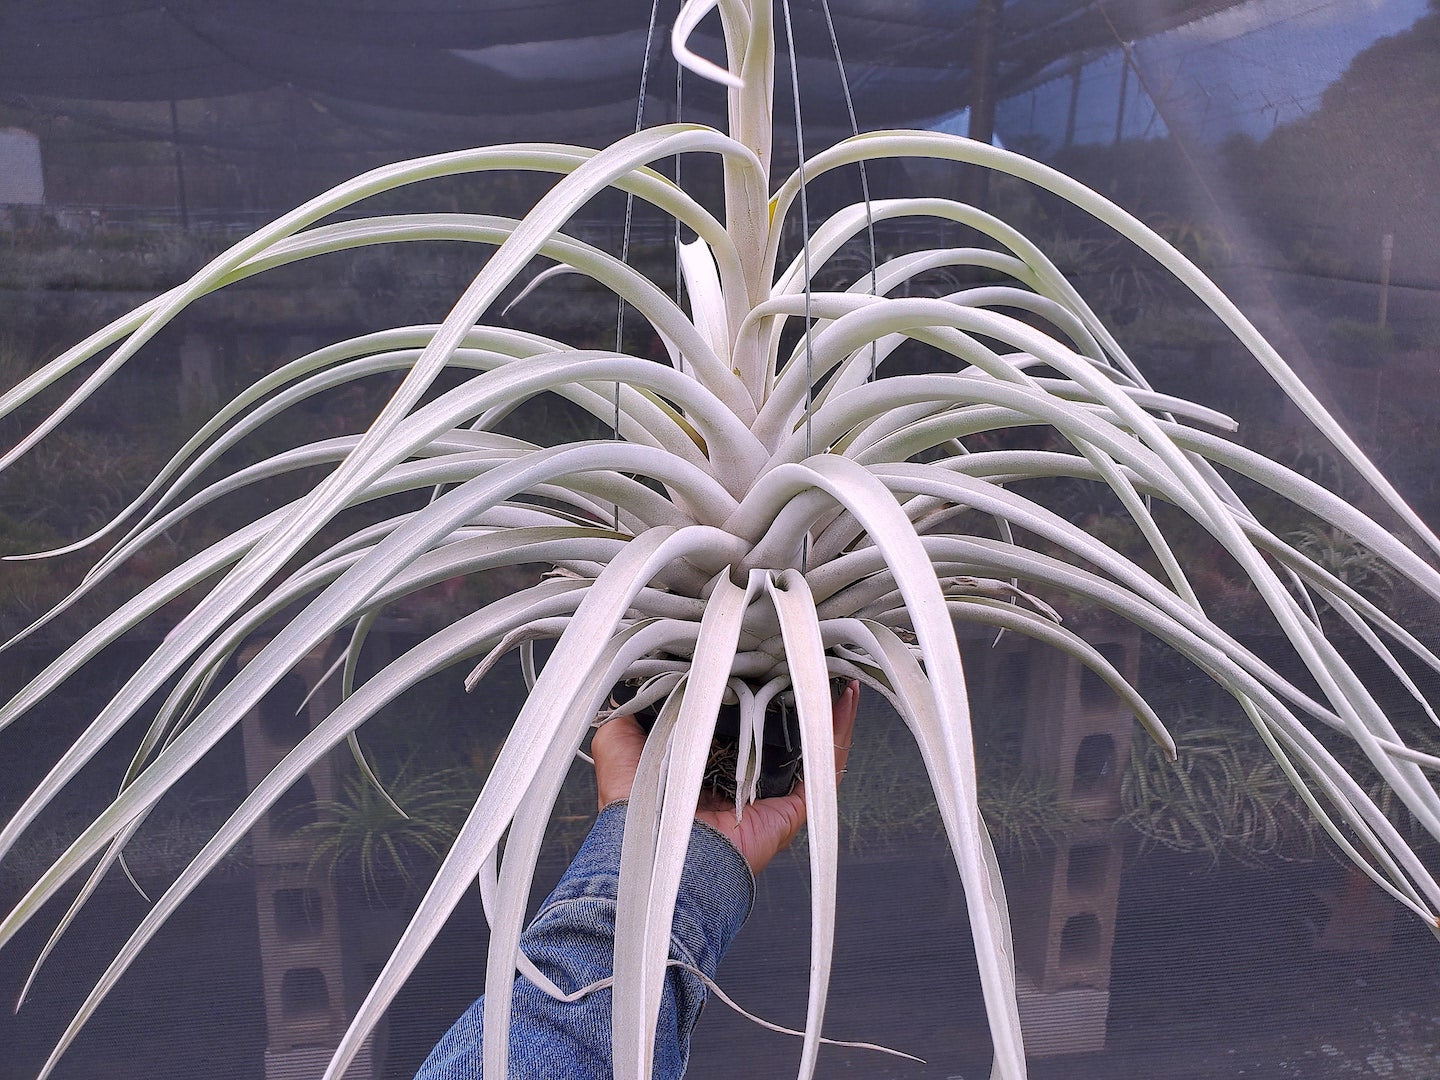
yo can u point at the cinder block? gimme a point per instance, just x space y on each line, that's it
309 1062
1077 732
304 1003
1062 1021
303 961
270 731
277 838
294 905
1063 908
1077 735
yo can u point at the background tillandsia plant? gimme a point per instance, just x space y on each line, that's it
775 509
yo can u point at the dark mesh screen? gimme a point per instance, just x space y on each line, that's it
1170 923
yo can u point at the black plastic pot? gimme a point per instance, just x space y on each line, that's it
779 758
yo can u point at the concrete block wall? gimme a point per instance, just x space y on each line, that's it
1077 735
303 959
1064 920
1077 732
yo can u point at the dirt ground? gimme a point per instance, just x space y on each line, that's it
1214 975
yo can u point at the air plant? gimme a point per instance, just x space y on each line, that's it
1344 557
774 511
366 832
1224 797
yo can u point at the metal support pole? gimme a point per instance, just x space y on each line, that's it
1124 89
1074 104
1387 254
984 75
181 199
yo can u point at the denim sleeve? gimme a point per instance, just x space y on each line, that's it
572 941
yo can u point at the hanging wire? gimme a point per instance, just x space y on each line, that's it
864 176
679 279
804 257
629 214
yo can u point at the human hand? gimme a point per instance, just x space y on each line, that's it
765 828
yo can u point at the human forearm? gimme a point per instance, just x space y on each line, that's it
571 940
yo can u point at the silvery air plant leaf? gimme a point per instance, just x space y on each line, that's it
770 515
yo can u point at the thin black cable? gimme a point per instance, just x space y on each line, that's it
629 214
864 177
804 258
679 118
